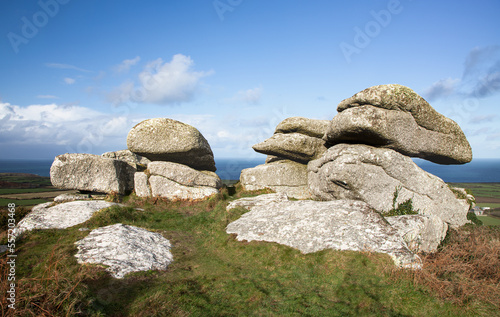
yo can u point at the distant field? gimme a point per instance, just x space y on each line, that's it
6 191
489 190
489 221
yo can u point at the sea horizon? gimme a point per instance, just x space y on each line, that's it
479 170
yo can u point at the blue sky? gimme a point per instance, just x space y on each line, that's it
77 75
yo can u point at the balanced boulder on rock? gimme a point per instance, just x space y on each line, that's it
164 139
394 116
90 172
293 146
376 175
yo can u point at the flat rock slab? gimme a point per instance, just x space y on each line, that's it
92 173
125 249
164 139
60 216
312 226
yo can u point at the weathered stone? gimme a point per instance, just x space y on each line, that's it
394 116
285 176
65 215
312 226
164 187
127 156
311 127
163 139
273 158
92 173
421 233
293 146
249 202
362 172
141 185
184 175
125 249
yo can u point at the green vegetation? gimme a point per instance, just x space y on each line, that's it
404 208
215 275
35 180
489 221
6 191
490 190
22 202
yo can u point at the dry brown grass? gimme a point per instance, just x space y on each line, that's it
466 268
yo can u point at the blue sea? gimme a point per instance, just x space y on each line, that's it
477 171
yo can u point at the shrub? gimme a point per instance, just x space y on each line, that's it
404 208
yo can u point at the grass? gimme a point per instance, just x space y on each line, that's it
489 221
22 202
215 275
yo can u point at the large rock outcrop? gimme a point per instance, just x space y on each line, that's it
312 226
62 216
282 176
372 175
90 172
394 116
125 249
176 181
163 139
311 127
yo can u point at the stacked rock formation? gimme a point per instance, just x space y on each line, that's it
295 142
362 155
165 158
182 163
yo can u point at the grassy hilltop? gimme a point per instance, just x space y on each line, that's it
215 275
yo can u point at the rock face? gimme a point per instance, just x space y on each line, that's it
305 126
394 116
176 181
372 175
421 233
125 249
163 139
127 156
293 146
60 216
283 176
90 172
311 226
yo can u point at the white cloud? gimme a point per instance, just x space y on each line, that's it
249 96
69 81
126 64
47 97
163 83
67 128
441 88
66 66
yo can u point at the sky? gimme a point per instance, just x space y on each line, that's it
77 75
